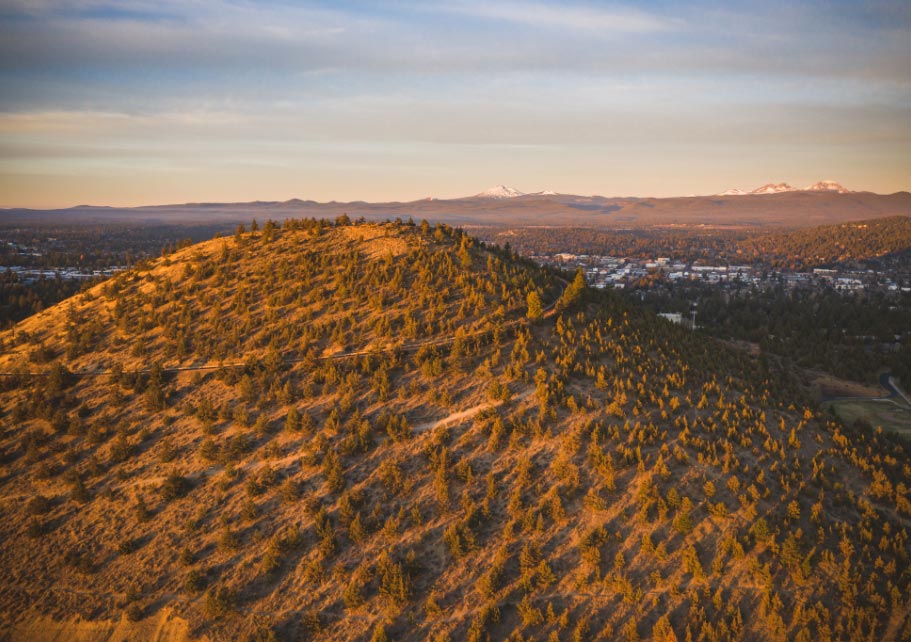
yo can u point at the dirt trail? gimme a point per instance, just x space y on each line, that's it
460 416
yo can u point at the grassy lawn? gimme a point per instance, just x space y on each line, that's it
888 414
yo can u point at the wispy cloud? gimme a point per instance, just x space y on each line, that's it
200 38
450 87
563 15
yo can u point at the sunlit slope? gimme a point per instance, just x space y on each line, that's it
308 291
594 474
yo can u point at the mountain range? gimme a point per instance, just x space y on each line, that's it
771 205
778 188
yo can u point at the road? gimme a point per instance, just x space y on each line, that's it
888 382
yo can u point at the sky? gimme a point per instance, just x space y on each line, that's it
140 102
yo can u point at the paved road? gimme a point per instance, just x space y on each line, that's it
888 382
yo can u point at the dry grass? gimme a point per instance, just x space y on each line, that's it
830 386
883 413
375 242
563 456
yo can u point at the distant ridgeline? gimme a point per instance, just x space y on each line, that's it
408 435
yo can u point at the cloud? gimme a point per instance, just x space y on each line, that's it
202 38
562 15
92 82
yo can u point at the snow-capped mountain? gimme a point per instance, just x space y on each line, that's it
773 188
499 191
778 188
827 186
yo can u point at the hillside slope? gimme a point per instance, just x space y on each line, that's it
831 244
401 454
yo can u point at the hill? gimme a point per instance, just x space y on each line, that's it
831 244
367 432
786 209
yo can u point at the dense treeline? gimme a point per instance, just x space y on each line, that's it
678 244
831 245
866 242
589 473
853 336
91 246
20 299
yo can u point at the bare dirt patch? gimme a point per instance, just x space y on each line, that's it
829 386
164 625
375 241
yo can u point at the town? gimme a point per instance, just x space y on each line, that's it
604 271
29 275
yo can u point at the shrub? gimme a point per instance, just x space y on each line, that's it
220 601
36 528
38 505
127 546
134 612
290 492
143 514
175 486
167 452
354 592
195 582
79 492
311 622
187 557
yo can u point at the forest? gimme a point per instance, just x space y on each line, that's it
95 246
853 336
82 247
20 299
872 241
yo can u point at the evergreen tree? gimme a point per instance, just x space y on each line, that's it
573 291
535 309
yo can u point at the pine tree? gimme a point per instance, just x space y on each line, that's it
573 291
535 309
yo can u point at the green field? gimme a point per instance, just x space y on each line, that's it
886 413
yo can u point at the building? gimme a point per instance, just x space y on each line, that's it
673 317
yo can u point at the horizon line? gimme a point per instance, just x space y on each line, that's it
435 198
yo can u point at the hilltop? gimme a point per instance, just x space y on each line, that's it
391 431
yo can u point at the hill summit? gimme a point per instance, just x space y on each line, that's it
349 431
